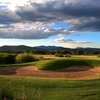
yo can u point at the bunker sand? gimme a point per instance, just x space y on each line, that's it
32 71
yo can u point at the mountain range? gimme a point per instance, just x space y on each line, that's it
28 48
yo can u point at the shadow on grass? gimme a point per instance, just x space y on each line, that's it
75 66
6 94
8 70
75 69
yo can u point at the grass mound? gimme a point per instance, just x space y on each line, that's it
64 63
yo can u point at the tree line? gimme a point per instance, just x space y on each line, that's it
62 51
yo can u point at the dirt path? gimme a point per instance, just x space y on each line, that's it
31 71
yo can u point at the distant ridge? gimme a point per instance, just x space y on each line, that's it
15 48
28 48
49 47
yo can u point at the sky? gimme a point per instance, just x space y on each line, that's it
66 23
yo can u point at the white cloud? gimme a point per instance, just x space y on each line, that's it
62 40
72 43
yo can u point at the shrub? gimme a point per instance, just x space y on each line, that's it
59 55
99 55
40 58
67 55
2 58
10 59
7 58
26 57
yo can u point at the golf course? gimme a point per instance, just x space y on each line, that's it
49 49
54 78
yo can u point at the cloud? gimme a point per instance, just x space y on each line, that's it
78 13
32 33
63 40
8 17
73 43
82 15
91 25
60 40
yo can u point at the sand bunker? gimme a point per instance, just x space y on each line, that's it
71 72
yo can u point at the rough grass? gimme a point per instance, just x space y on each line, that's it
64 63
48 89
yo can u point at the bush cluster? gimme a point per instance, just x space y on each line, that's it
99 55
6 58
61 55
23 58
67 55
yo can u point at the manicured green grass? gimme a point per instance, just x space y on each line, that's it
49 89
48 58
17 65
66 62
95 57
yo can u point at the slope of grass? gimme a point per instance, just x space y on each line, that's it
63 63
48 89
18 65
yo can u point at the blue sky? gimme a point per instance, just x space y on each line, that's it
71 24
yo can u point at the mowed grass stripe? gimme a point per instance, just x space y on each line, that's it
49 89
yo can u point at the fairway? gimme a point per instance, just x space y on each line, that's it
49 89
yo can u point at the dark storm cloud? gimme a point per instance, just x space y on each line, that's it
6 20
82 15
88 26
8 17
31 34
50 10
64 10
57 10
